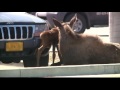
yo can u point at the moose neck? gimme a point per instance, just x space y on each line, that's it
62 33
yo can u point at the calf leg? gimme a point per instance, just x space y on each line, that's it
40 50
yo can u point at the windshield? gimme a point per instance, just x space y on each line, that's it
12 12
19 17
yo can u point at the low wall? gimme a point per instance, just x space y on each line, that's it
54 71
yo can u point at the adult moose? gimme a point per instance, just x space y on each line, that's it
78 49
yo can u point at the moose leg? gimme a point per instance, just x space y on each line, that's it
54 55
60 57
40 50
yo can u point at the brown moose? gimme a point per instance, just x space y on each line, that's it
78 49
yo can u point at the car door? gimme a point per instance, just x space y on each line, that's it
99 18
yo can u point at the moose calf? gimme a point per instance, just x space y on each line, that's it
48 38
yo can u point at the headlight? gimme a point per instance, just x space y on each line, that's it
39 28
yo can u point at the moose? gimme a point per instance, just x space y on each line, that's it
48 38
78 49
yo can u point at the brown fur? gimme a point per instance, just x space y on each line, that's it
48 38
77 49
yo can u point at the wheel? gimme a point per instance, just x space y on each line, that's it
10 60
44 61
6 62
80 24
29 62
32 62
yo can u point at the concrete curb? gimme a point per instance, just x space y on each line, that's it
90 76
51 71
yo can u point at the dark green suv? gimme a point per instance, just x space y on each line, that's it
19 38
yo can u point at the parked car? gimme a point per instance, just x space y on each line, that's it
19 38
85 19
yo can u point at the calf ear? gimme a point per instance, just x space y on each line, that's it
73 20
57 23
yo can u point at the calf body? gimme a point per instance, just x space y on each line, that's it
48 38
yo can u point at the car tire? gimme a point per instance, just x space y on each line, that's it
44 61
29 61
32 62
80 25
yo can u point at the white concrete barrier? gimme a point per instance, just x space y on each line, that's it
53 71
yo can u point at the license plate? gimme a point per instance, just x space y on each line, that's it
14 46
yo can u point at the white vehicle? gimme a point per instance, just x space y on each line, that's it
85 19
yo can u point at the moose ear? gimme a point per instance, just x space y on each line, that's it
57 23
73 20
